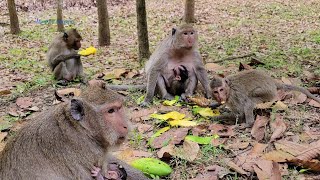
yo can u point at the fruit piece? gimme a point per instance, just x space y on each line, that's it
152 166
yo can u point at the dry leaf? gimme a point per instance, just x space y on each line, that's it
173 136
265 105
221 130
280 106
235 167
314 90
3 135
69 91
244 67
213 67
200 101
24 102
237 145
314 103
34 108
301 98
142 128
258 148
286 80
167 151
278 127
119 72
278 156
267 170
258 128
190 150
290 147
4 92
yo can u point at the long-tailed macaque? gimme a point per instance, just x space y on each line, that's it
68 141
242 91
179 49
63 57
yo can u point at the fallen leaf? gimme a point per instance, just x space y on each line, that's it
221 130
13 112
24 102
174 115
286 80
267 170
213 67
237 145
173 136
280 106
235 167
190 150
138 114
166 151
3 135
258 128
258 149
4 92
205 112
314 103
70 92
244 67
201 140
200 101
169 102
278 156
199 129
290 147
137 153
142 128
265 105
314 90
218 141
183 123
34 108
301 98
278 127
119 72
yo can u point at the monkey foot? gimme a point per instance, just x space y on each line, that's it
62 82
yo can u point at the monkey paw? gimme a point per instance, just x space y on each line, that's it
95 172
168 96
144 104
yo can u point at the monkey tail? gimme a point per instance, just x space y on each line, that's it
127 87
288 87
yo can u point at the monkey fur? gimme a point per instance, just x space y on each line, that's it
242 91
177 49
67 141
63 57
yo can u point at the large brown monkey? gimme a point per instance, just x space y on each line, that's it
69 140
242 91
63 57
179 48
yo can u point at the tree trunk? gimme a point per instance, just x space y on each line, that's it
59 16
189 11
142 28
14 21
103 19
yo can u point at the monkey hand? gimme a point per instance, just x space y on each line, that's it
96 173
144 104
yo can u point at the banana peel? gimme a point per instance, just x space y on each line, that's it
86 52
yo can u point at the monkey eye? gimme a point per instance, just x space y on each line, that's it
191 33
185 33
216 92
111 111
221 90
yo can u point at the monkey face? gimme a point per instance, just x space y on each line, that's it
188 38
220 89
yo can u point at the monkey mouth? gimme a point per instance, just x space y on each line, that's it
121 139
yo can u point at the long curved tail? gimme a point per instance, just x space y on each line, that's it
126 87
288 87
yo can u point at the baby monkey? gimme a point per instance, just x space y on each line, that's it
242 91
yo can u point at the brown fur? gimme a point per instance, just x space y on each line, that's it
242 91
69 140
179 48
63 57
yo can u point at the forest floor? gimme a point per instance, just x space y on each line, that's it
284 36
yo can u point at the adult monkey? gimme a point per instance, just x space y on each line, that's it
179 48
69 140
242 91
63 57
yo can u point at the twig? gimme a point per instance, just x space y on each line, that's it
234 57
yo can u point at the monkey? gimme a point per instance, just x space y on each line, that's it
63 57
176 84
177 49
242 91
115 171
68 140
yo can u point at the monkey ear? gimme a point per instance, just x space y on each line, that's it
226 81
173 31
65 36
77 109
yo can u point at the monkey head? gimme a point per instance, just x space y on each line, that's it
180 73
100 111
72 39
184 37
220 89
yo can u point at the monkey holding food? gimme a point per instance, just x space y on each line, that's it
176 54
68 141
63 57
242 91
